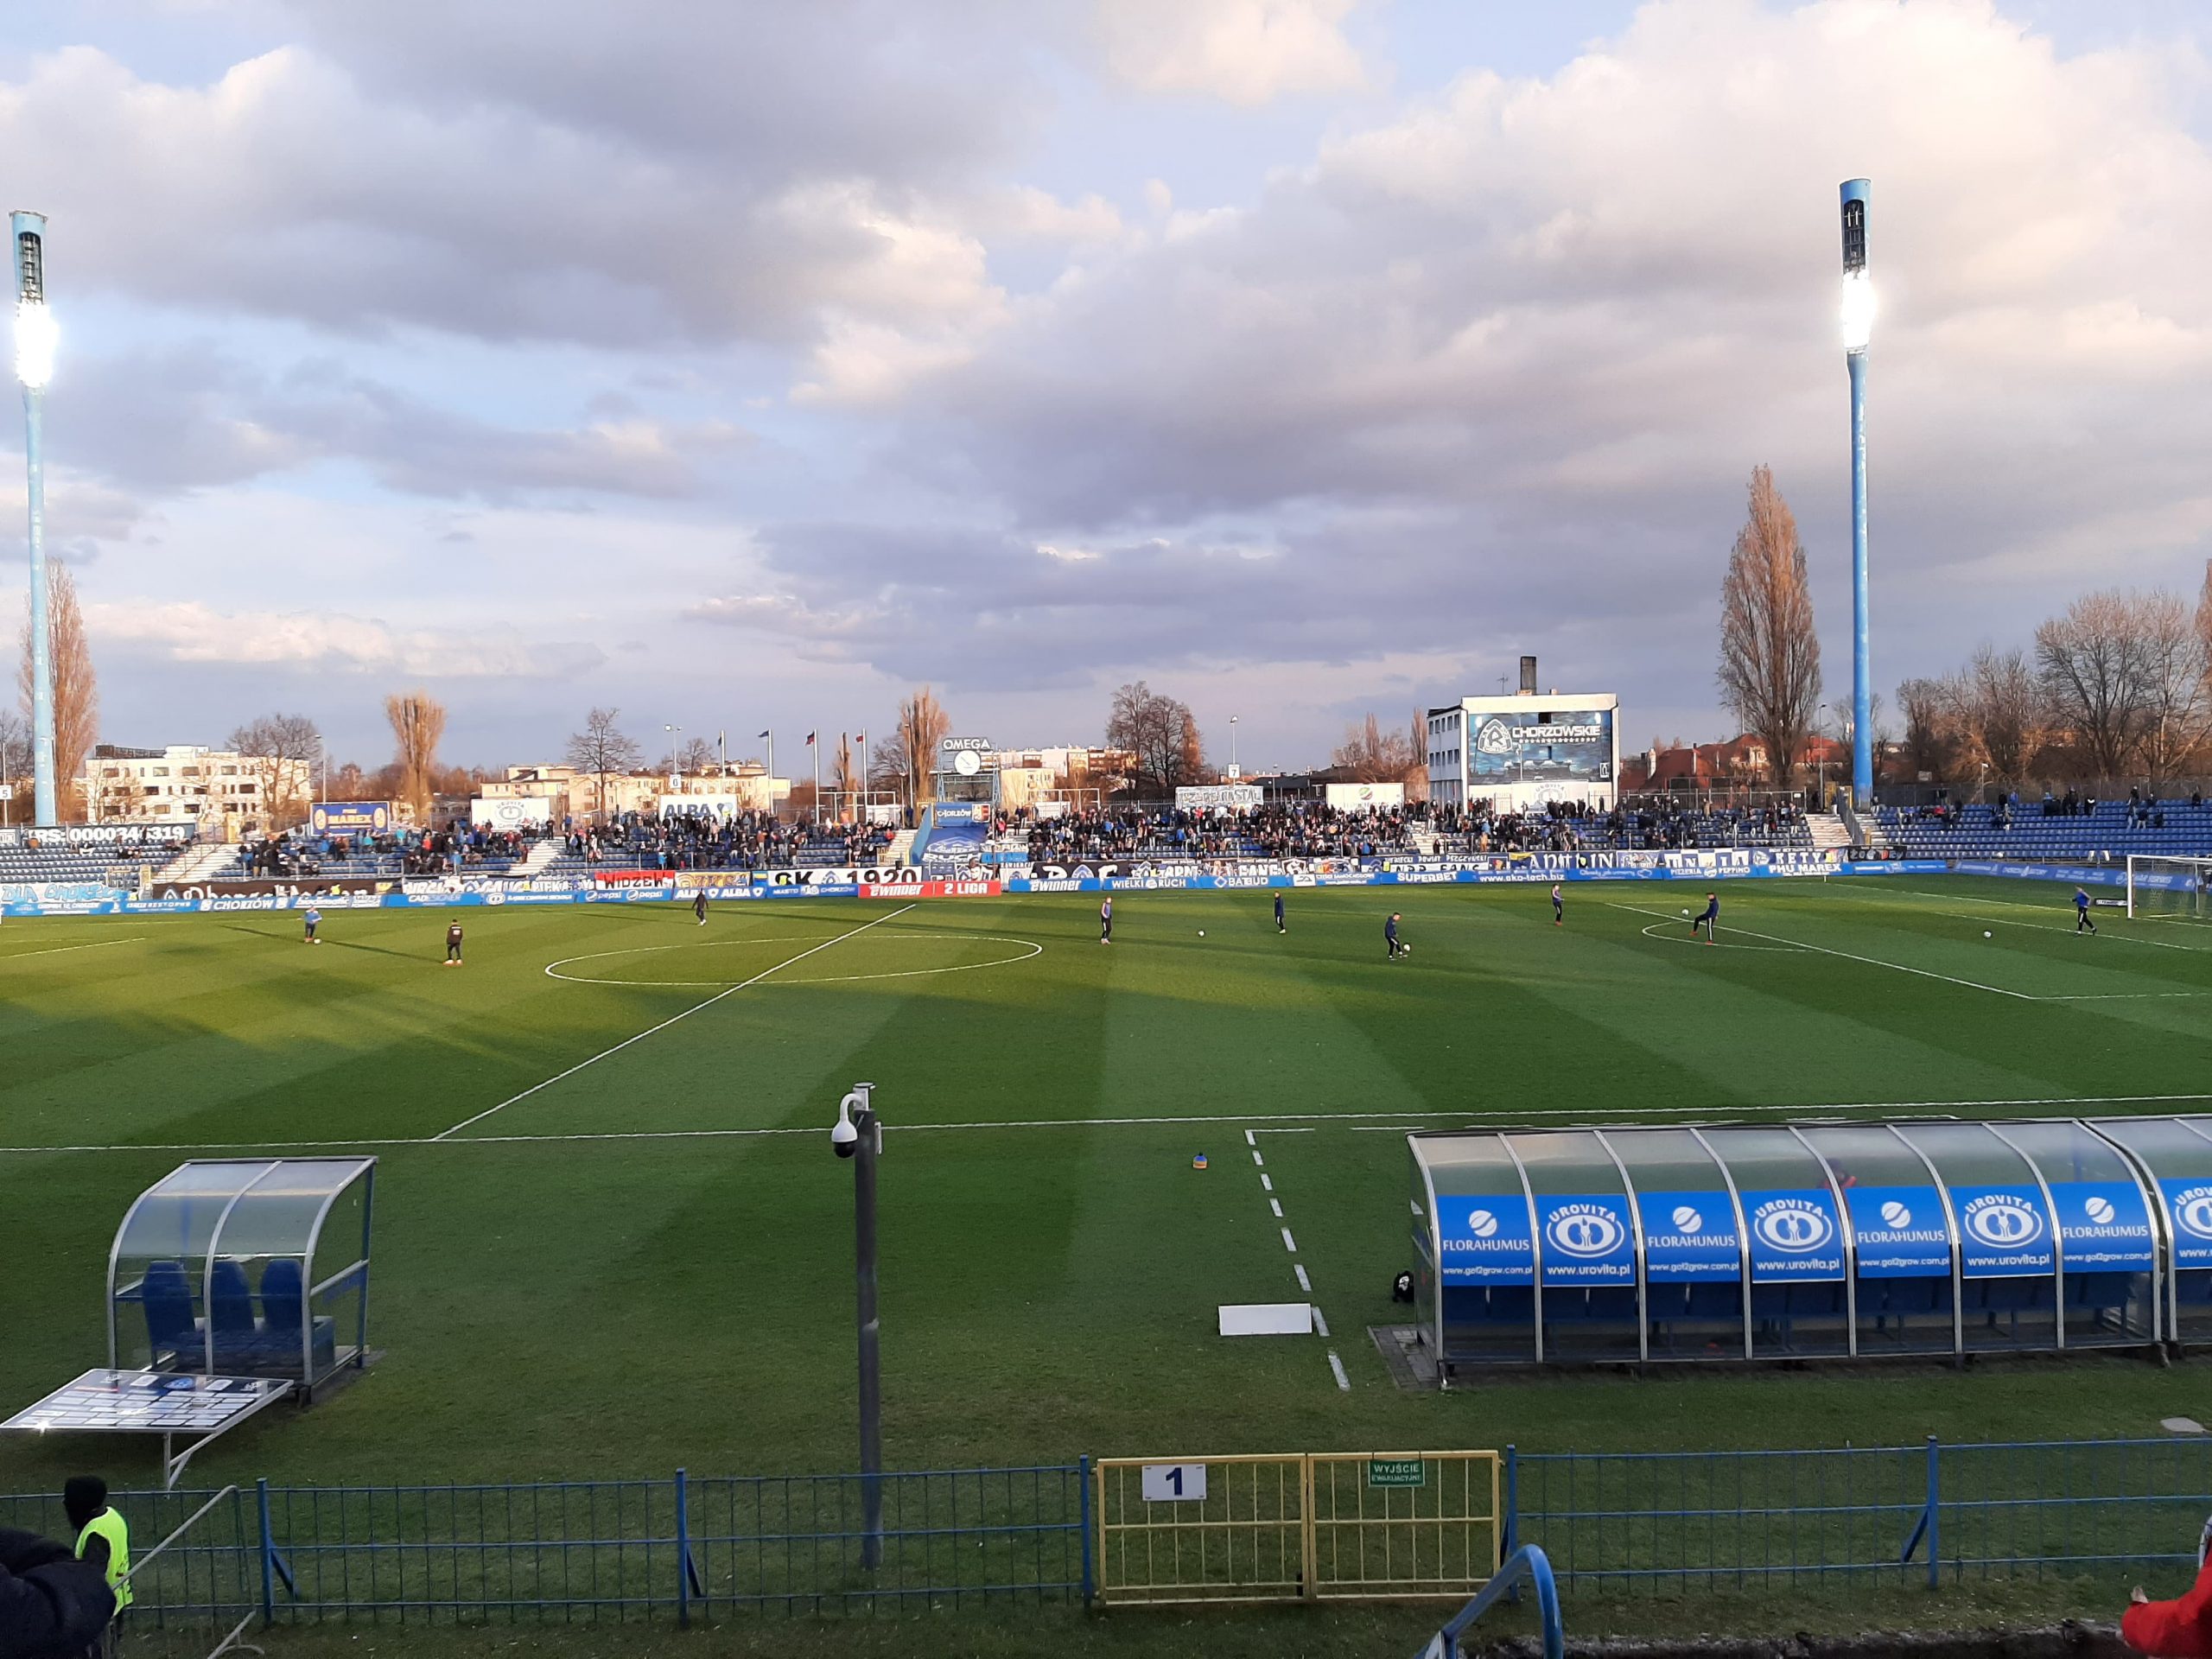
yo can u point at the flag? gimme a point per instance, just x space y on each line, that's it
765 735
810 740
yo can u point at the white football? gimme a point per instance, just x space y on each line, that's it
1987 934
1686 913
1202 933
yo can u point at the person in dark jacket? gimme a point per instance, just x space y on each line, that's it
51 1604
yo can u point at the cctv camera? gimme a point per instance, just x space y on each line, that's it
844 1139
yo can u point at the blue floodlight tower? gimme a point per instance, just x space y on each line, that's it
1858 333
34 367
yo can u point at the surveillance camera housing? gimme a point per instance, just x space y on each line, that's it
844 1139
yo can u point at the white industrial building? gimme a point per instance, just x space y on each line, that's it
1521 751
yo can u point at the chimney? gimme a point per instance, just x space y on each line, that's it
1527 676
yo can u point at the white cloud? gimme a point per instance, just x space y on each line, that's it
1245 51
188 630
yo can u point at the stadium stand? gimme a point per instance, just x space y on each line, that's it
2068 827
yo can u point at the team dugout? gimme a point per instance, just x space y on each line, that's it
1636 1245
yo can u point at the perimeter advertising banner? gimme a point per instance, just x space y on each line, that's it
350 817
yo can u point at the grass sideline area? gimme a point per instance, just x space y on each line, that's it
646 1262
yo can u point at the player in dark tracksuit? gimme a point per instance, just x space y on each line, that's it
699 906
1392 945
1280 928
1106 920
453 944
2081 912
1559 907
1709 918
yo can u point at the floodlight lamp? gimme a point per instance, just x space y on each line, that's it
1858 311
34 339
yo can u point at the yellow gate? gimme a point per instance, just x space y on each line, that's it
1297 1526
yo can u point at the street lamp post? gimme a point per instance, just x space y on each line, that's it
1233 774
674 732
858 1135
1857 312
34 367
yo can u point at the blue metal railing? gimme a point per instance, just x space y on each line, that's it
1926 1515
1930 1514
612 1549
1526 1564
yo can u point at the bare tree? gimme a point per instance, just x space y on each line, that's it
2174 700
418 720
1417 767
1932 726
1161 734
2096 670
1998 701
844 777
698 757
923 725
14 763
76 688
1373 755
603 750
282 748
1769 655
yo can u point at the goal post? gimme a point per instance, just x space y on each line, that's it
2166 888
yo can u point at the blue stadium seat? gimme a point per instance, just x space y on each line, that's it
230 1309
166 1295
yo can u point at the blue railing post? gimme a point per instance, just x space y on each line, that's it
1083 1478
683 1555
1935 1515
267 1553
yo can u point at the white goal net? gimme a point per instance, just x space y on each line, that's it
2175 888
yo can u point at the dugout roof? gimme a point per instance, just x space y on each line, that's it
1771 1241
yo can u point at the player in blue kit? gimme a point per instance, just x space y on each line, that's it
1393 946
1709 918
2082 922
1279 927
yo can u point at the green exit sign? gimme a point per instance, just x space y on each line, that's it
1397 1471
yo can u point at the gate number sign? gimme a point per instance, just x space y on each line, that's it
1174 1482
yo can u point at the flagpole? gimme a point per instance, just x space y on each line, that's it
814 742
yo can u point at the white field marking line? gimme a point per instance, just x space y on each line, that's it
1276 1204
1677 938
1258 1162
1250 1139
1336 1366
1713 1113
2046 927
56 950
649 1031
1873 962
1034 950
1289 1243
1320 1322
1266 1183
1304 1283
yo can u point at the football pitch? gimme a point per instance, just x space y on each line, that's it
610 1238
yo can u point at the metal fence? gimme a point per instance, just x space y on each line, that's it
583 1550
1925 1516
1928 1514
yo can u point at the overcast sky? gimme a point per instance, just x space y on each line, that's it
744 364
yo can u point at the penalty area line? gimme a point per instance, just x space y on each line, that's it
1847 956
649 1031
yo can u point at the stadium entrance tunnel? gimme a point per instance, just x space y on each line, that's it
1689 1245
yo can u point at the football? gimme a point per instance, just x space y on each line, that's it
1202 933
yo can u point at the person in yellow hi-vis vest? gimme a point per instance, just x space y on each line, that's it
103 1535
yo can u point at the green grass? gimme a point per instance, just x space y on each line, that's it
622 1272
